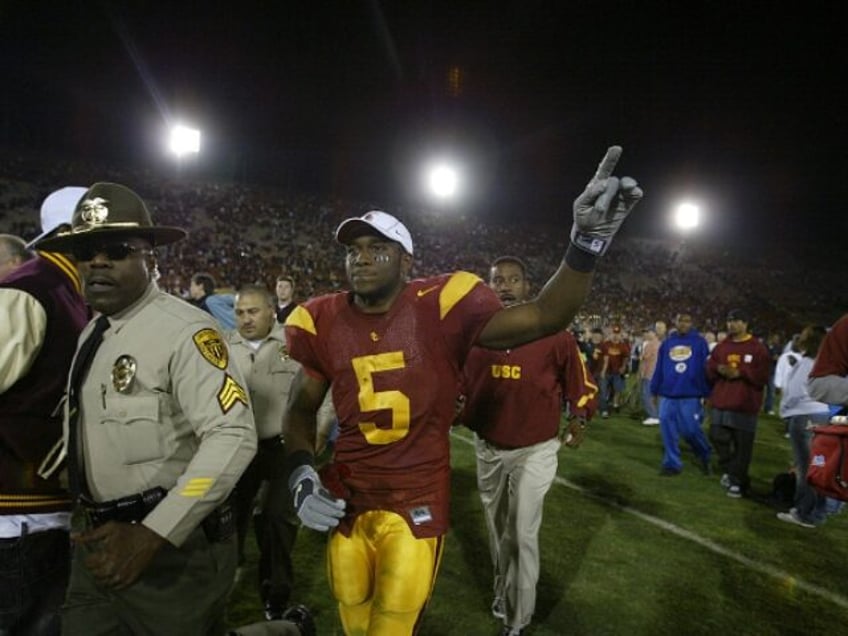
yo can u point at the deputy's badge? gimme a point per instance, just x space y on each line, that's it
211 347
94 211
230 393
123 373
284 353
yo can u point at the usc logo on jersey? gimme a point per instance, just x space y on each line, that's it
506 371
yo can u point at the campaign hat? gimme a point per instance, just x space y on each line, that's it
110 211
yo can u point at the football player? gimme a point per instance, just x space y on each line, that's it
391 352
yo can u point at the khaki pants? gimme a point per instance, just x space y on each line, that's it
183 591
513 484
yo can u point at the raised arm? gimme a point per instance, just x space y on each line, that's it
598 214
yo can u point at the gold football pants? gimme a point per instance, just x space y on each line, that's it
381 575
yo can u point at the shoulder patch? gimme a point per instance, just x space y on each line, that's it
457 287
301 318
231 393
212 347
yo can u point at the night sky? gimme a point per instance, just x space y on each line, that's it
736 107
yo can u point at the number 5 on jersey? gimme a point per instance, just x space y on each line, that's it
370 400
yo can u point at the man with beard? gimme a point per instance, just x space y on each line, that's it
738 369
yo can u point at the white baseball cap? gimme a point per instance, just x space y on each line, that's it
385 224
57 210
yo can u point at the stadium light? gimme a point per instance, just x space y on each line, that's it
184 140
687 216
442 180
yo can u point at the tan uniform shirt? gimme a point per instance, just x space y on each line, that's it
269 372
163 405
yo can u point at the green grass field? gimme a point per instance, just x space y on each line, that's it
625 551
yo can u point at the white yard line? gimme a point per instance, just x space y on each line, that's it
763 568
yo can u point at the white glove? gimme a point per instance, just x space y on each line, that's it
602 207
315 506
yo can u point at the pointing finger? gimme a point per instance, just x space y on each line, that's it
608 163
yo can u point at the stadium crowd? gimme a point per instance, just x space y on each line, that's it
244 234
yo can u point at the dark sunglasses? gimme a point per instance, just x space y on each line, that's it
113 251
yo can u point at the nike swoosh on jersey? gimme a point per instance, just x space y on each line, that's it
424 292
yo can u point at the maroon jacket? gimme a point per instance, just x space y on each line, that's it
28 428
745 393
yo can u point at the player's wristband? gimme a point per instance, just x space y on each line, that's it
296 460
580 260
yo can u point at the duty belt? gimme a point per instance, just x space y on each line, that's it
218 525
130 509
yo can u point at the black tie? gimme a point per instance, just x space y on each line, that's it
76 469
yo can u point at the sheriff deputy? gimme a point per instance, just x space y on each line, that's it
158 429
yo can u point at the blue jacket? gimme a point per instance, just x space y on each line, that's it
682 366
222 308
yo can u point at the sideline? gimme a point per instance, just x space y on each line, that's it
763 568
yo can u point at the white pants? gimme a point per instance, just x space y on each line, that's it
513 484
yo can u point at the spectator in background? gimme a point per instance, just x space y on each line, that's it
680 380
828 380
738 370
595 355
788 359
616 353
647 365
774 348
258 347
13 253
42 312
710 337
514 406
829 375
661 330
202 294
285 297
810 508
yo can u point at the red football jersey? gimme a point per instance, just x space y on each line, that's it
514 397
395 380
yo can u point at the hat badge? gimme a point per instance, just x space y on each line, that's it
94 211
